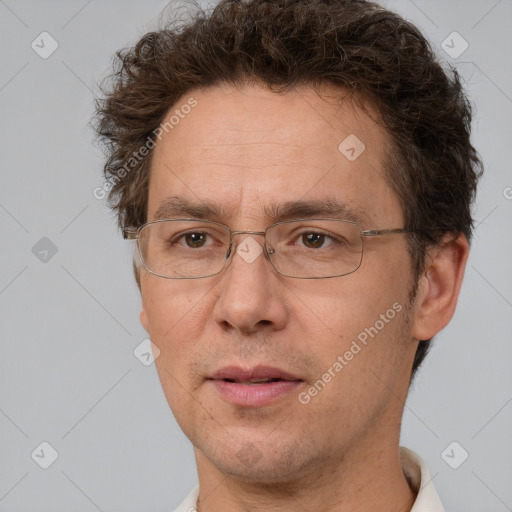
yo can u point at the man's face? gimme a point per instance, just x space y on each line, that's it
248 150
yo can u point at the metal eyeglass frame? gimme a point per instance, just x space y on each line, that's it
133 234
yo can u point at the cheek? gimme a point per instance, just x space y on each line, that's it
176 322
342 307
175 317
356 373
167 304
360 320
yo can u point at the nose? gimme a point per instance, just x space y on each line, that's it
251 296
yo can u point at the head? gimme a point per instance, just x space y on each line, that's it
243 110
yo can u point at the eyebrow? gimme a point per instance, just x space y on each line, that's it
176 207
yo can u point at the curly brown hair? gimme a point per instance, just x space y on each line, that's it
356 45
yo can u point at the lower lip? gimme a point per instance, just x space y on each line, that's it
255 395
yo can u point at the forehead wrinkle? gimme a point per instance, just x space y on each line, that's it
232 156
242 144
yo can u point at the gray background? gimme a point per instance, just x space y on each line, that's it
69 324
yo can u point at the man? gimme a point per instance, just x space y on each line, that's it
298 176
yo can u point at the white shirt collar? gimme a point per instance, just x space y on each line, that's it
414 468
416 472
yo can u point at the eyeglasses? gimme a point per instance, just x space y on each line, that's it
303 248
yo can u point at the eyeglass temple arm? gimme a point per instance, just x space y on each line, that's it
129 234
378 232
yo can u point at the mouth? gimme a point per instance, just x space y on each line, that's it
254 381
255 387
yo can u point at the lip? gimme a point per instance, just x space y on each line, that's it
258 372
253 395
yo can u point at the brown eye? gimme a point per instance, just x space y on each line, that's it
195 240
313 240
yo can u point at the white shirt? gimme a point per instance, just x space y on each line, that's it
414 468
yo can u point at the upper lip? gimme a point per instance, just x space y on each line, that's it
238 374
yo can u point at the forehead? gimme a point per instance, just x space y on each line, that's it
247 151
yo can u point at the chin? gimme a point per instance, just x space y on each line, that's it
281 461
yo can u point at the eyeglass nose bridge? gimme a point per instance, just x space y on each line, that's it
267 250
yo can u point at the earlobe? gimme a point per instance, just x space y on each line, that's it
143 317
439 287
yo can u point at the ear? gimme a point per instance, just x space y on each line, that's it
438 288
143 316
136 273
